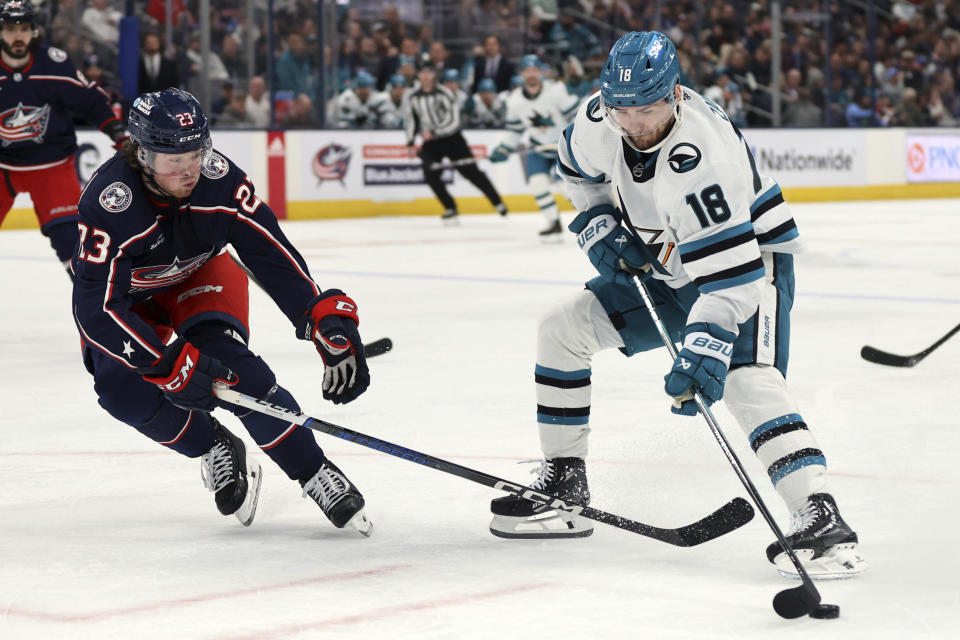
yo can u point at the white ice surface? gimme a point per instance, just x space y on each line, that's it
104 534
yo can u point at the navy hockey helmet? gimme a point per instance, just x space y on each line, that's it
17 12
168 121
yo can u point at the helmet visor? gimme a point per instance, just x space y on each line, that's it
643 120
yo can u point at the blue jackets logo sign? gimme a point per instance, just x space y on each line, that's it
331 162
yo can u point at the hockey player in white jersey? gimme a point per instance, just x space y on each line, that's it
389 104
354 107
536 114
486 109
650 156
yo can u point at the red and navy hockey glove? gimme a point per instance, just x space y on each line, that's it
186 376
331 323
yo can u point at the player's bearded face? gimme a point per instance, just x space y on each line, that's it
16 40
177 174
641 122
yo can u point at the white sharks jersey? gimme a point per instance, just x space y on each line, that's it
389 114
697 201
350 112
540 118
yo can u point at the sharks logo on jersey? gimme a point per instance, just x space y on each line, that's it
166 275
684 157
116 197
23 123
215 167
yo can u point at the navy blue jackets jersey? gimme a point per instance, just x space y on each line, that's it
134 244
37 108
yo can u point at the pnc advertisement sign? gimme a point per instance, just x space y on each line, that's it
933 158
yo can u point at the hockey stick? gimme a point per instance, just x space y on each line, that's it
893 360
789 603
730 516
453 164
371 349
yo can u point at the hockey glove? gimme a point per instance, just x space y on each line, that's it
700 366
605 241
500 154
331 323
186 376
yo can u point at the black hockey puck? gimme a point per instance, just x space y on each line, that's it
825 611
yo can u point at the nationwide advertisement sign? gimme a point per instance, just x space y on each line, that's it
807 158
933 158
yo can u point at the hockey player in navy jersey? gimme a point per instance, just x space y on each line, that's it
650 156
154 222
40 94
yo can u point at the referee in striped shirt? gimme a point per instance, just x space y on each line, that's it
431 110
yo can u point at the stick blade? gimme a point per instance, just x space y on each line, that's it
727 518
796 602
889 359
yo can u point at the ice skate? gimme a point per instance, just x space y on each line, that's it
502 209
338 498
232 475
823 542
450 218
553 233
516 517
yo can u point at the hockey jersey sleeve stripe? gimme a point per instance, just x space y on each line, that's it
732 277
567 136
722 245
62 79
718 237
567 170
269 236
567 415
86 336
558 374
782 233
788 424
771 198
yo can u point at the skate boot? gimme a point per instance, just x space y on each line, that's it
450 217
553 233
823 542
338 498
232 475
516 517
502 209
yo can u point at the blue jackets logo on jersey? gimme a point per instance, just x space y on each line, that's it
24 123
215 167
684 157
166 275
331 162
116 197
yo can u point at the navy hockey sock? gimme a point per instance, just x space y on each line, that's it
190 433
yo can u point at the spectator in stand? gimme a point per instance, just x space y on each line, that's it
216 72
301 114
390 114
802 112
886 114
438 57
369 59
908 112
295 73
577 84
395 28
157 9
257 103
354 108
231 59
451 80
235 115
219 104
574 39
156 72
102 20
492 64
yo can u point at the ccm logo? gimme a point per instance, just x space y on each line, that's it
536 496
185 372
343 305
187 138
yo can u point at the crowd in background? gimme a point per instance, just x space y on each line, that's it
830 73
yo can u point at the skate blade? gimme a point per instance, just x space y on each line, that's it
545 525
361 524
840 562
248 509
452 221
